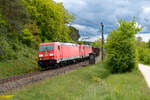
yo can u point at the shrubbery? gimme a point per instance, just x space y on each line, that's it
96 44
121 47
143 52
6 51
144 56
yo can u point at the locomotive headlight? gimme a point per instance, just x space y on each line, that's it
51 54
41 55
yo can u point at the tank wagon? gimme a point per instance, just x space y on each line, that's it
57 53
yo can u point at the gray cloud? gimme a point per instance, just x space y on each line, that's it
89 13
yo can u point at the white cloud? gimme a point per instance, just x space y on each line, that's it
85 28
145 37
92 39
144 18
73 5
59 0
146 9
138 25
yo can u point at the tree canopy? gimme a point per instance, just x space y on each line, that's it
51 18
74 33
97 43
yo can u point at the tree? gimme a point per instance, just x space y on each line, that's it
15 14
26 36
148 44
139 39
16 17
74 33
6 51
36 32
121 47
3 25
51 18
97 43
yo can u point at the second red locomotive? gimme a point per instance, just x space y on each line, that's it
56 53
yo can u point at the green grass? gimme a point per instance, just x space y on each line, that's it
25 61
88 83
129 86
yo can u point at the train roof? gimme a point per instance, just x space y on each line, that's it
49 43
70 44
59 43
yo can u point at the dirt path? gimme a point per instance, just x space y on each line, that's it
145 70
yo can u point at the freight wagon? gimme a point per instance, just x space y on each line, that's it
96 51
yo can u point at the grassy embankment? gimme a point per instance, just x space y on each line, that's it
25 61
88 83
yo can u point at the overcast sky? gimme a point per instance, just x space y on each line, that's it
90 13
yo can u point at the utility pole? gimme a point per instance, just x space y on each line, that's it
102 49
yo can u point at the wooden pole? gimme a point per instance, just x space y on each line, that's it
102 41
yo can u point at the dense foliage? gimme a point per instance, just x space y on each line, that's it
6 51
97 44
148 44
121 47
51 18
74 33
14 13
143 51
36 21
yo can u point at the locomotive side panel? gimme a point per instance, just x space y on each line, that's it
70 52
87 50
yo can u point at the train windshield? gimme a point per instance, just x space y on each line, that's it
47 48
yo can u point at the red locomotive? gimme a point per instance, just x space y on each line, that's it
57 53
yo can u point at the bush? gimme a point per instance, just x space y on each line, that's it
144 55
121 47
26 37
6 51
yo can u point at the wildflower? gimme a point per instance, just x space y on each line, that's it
6 96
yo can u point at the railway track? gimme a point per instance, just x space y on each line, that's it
22 80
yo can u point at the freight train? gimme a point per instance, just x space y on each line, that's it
57 53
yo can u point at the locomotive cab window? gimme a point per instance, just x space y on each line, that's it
47 48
